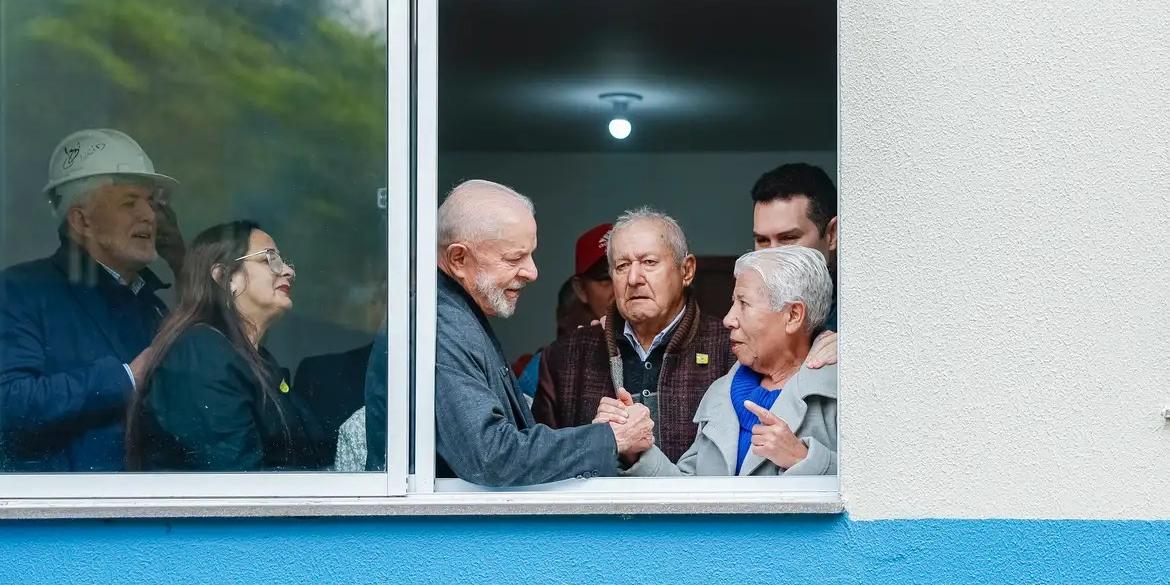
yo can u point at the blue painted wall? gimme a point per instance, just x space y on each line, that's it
789 549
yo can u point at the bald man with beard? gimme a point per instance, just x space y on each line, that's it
485 432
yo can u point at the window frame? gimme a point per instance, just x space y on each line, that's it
130 495
674 495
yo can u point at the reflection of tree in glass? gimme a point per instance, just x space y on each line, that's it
266 109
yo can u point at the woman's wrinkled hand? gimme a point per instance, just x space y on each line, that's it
773 440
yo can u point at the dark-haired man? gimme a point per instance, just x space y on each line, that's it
796 204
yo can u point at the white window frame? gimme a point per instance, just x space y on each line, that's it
356 494
820 494
78 494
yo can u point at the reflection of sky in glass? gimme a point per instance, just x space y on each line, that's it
365 16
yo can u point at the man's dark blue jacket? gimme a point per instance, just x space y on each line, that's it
66 329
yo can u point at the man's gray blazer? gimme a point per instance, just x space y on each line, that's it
485 432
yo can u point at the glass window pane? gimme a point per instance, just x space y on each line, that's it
191 234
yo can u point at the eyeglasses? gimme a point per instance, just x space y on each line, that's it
276 264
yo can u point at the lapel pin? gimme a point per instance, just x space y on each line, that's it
702 359
283 387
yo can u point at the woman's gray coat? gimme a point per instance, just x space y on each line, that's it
808 404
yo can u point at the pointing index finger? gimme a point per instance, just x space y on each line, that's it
766 418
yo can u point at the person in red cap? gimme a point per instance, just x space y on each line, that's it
590 295
591 280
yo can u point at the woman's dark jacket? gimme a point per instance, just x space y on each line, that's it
206 412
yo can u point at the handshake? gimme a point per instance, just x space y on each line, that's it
631 424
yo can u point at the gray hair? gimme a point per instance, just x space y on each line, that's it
792 274
465 217
80 192
675 238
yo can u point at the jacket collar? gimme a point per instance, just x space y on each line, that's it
81 269
662 337
684 331
88 282
453 294
722 426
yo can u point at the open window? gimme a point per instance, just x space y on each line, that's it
594 108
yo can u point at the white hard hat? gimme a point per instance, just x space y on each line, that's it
101 151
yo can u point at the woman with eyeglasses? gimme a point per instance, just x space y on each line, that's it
214 398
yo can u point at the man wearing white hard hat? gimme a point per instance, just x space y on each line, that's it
75 327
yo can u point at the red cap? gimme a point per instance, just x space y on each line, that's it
591 247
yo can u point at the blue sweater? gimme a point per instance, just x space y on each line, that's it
746 386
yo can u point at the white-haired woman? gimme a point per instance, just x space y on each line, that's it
770 415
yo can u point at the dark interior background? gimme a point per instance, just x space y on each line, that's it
716 75
731 89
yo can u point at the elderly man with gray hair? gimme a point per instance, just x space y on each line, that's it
485 432
656 347
771 414
75 327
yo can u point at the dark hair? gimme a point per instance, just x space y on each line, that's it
566 296
599 271
203 300
800 180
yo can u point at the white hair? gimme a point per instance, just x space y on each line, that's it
466 213
675 238
80 192
793 274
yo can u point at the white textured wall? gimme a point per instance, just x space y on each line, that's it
709 193
1005 187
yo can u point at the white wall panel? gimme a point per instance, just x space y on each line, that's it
1005 273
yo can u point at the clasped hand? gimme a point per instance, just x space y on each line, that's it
632 427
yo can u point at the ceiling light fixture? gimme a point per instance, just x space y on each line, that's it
619 125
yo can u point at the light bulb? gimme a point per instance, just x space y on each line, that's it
620 128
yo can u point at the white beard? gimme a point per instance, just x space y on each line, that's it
501 306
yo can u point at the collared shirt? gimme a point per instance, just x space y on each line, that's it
135 287
659 339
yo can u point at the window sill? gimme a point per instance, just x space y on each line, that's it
464 504
600 496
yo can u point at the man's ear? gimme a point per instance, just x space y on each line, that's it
457 257
831 234
78 222
798 318
689 266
